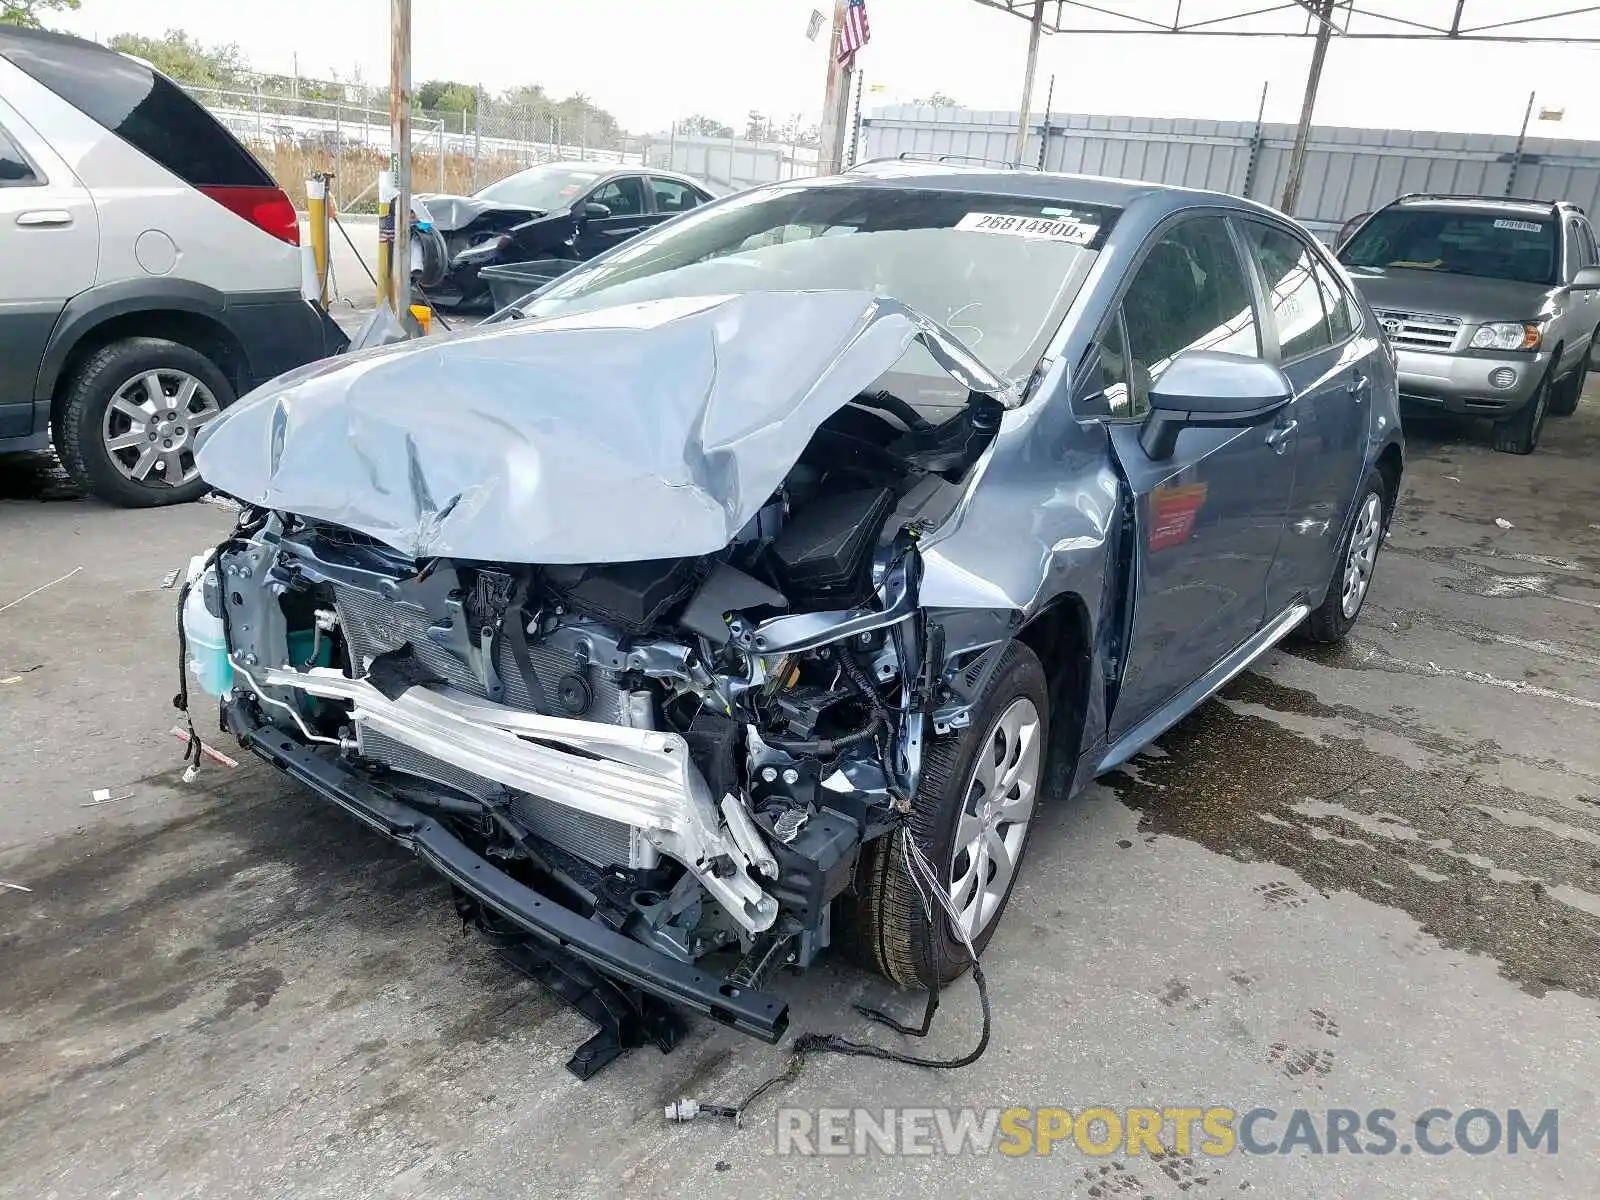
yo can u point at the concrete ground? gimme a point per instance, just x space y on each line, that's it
1366 878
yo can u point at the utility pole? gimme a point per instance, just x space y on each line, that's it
1322 14
1037 27
400 153
836 100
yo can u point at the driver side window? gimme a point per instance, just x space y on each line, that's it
1189 293
624 197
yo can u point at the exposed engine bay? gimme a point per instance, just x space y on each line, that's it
691 750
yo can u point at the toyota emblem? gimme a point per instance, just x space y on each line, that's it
1392 327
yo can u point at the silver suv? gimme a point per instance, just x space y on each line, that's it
149 269
1490 305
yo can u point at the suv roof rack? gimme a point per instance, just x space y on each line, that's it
1554 206
949 159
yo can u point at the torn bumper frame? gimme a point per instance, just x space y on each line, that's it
613 954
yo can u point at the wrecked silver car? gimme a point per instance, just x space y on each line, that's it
683 622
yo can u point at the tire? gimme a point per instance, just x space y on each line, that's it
883 926
1564 398
1519 433
90 411
1332 620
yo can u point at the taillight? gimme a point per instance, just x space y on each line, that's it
267 208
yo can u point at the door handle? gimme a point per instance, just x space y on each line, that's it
1278 439
45 216
1360 385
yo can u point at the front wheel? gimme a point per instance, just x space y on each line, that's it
1564 398
971 815
1519 433
1358 558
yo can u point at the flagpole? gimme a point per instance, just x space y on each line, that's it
836 100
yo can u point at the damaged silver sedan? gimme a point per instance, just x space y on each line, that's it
681 620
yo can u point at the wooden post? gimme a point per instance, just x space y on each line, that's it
836 101
400 152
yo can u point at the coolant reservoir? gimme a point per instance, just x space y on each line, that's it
202 630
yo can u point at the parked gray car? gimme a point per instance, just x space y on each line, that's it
792 547
1490 304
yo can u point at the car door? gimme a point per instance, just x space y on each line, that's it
1208 519
625 196
49 242
1310 334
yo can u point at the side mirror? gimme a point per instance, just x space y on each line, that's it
1587 278
593 210
1209 389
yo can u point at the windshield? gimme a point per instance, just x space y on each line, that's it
991 269
1488 244
544 188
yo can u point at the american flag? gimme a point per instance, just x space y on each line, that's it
857 31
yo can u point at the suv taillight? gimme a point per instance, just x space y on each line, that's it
267 208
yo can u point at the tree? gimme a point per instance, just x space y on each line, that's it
447 95
185 59
758 127
701 125
939 100
26 12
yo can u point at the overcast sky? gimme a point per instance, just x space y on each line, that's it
649 61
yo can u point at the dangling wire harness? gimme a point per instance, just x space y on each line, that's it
931 891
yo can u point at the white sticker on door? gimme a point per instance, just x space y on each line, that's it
1079 233
1519 226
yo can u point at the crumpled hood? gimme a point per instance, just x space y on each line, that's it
450 213
652 430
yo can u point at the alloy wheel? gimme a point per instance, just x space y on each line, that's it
995 812
151 424
1363 556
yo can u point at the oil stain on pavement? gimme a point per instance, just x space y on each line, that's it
1481 868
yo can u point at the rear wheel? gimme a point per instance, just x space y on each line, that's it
1564 398
971 816
1358 558
127 426
1519 433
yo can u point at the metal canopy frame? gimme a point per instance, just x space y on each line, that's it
1321 20
1069 17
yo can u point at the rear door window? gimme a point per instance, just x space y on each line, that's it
1288 272
1586 236
672 196
143 108
1336 302
15 169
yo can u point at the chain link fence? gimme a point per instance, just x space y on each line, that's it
452 152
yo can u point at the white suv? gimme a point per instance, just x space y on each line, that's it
149 269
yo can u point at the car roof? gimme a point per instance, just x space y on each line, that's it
1152 200
603 170
1542 208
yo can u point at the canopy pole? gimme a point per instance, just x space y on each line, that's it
1035 29
1322 14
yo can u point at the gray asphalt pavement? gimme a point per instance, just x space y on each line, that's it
1367 878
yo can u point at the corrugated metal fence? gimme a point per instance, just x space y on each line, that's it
1348 171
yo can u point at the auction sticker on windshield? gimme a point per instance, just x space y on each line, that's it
1079 233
